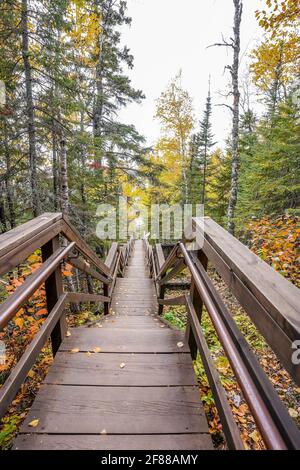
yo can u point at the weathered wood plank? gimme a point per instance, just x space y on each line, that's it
126 442
118 410
104 370
120 340
279 296
130 321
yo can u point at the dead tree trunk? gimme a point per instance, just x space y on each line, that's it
234 70
235 44
36 203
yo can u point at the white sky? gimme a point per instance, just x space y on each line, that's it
169 35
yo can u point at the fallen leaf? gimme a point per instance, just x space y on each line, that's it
34 423
88 353
103 432
293 413
255 436
180 344
122 365
75 350
19 322
68 334
31 374
43 311
97 350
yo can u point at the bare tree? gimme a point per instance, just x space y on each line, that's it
235 44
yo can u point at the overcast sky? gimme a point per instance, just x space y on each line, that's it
169 35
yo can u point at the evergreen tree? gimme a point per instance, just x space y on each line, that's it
205 144
270 176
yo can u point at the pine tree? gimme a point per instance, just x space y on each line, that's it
205 143
271 182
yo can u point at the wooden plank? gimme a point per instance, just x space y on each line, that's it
126 442
118 410
279 296
138 296
24 248
119 340
85 267
111 257
139 311
179 300
17 236
73 235
127 321
133 303
78 297
104 369
159 256
177 268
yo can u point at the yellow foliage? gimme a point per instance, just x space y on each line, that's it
273 57
87 29
282 14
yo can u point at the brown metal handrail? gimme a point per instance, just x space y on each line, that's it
44 232
273 420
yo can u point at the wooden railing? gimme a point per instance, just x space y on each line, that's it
270 301
59 242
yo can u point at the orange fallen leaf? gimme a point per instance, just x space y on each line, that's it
75 350
43 311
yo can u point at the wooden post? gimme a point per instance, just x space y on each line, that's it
198 306
106 294
161 296
54 289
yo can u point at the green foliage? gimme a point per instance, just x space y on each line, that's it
269 176
9 428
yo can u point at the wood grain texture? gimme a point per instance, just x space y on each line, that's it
104 369
118 410
127 442
124 340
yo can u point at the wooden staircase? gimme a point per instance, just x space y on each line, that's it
137 391
127 380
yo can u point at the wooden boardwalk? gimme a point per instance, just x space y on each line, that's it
128 384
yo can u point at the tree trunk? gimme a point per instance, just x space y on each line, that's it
64 191
98 103
55 170
83 172
238 5
3 226
9 189
36 203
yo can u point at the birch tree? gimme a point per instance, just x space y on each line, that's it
235 44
